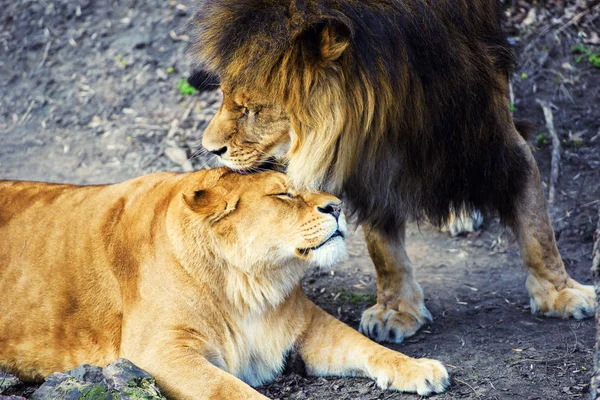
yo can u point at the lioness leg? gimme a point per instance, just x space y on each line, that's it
331 348
552 292
461 222
183 373
400 310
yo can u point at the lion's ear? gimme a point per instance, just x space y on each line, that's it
335 38
328 38
211 204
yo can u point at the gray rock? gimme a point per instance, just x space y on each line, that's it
120 380
65 387
87 373
130 381
7 381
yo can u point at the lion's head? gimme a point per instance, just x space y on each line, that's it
248 131
285 91
253 222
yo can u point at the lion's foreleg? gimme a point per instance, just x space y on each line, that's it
331 348
552 292
400 310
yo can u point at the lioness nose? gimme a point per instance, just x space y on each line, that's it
220 151
334 209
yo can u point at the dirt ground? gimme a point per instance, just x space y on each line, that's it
89 95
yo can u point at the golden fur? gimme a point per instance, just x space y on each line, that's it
400 106
194 277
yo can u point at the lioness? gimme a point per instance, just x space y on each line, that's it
399 106
194 277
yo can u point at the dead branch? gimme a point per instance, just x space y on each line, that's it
595 384
26 115
45 55
173 128
577 18
176 124
469 386
555 164
188 110
596 251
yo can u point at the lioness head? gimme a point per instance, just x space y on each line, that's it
257 221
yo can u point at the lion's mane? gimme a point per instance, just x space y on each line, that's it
399 105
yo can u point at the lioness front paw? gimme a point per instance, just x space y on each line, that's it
422 376
575 300
385 325
463 222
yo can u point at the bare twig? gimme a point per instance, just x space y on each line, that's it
545 360
149 127
173 129
576 18
536 360
595 384
469 386
45 55
176 124
540 35
188 111
26 115
547 28
568 213
596 251
555 164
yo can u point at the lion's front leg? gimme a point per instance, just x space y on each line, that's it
552 291
331 348
400 310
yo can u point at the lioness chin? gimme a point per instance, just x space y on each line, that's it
194 277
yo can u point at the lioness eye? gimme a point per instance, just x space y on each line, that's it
246 111
291 196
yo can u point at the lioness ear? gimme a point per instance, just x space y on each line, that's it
329 38
210 203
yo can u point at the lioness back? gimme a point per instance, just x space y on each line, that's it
60 237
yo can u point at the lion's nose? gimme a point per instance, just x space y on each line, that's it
220 151
334 209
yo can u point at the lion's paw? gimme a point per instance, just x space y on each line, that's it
385 325
575 300
422 376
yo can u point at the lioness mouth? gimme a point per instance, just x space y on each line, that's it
329 239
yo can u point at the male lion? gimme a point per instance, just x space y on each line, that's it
401 107
194 277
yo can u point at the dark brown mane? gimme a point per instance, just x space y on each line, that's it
399 105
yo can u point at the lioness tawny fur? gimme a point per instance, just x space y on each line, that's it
194 277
